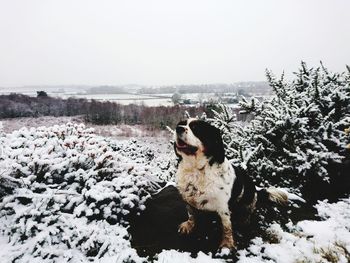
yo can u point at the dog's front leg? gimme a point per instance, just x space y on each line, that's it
227 236
187 226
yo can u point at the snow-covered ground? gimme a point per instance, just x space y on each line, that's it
76 189
326 240
114 131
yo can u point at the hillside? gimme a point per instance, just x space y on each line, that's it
79 197
68 194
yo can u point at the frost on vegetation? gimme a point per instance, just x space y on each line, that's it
77 191
294 135
327 240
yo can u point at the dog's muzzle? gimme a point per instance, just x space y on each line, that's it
181 145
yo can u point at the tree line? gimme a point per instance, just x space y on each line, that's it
97 112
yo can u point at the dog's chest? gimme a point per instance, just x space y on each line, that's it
205 189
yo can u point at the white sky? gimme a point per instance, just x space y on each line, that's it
160 42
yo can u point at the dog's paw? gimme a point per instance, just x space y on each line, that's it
186 227
228 243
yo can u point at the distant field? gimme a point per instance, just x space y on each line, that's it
163 99
124 99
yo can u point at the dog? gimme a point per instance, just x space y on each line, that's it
207 181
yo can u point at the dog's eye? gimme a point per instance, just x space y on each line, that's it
193 126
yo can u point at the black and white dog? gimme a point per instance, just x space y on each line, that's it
207 181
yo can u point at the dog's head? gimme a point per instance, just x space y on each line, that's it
199 138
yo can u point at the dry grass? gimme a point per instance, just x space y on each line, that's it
333 253
345 252
329 254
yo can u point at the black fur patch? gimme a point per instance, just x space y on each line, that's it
245 183
204 202
263 196
210 137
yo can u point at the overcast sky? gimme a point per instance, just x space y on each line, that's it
160 42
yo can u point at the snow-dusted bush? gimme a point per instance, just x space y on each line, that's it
76 192
296 134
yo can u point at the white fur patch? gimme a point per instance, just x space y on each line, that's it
204 186
277 196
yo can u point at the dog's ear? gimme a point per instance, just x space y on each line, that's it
215 147
211 139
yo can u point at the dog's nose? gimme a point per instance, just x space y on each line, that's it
180 129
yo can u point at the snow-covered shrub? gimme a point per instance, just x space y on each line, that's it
297 133
77 191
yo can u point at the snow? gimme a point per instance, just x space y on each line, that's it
78 188
307 241
173 256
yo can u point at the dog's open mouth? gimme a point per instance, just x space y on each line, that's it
184 147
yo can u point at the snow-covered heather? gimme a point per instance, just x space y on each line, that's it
13 124
77 189
115 131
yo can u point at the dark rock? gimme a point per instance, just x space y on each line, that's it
156 228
